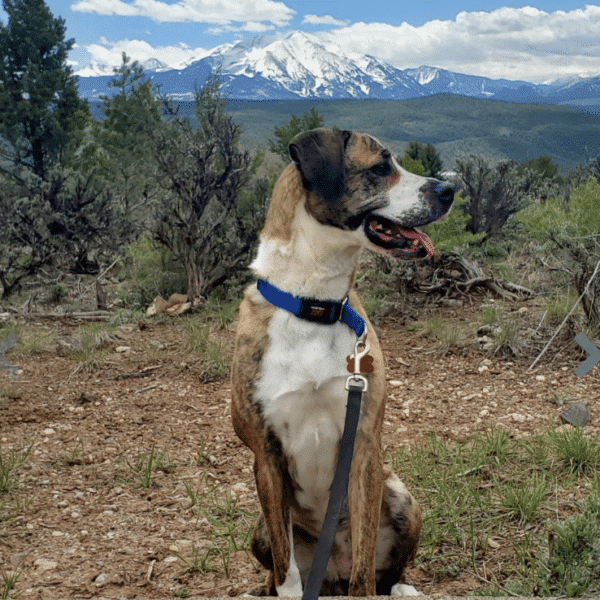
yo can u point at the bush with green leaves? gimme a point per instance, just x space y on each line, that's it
571 233
451 233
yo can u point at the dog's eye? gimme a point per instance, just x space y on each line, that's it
382 169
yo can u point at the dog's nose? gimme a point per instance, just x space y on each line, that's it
444 193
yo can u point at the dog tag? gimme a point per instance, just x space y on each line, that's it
365 364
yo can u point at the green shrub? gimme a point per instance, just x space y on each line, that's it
450 234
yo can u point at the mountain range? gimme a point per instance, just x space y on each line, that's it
298 65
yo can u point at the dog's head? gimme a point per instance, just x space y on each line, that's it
353 182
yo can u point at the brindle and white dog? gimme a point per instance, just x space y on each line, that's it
343 191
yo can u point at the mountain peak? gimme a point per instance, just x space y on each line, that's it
301 65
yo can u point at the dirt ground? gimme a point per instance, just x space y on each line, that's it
88 528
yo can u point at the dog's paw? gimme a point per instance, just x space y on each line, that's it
403 589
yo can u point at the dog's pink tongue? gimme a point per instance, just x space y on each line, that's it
423 239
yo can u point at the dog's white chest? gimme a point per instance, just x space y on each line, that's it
303 398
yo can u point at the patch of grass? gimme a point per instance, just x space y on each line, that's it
446 331
505 512
94 341
558 307
8 391
10 462
9 583
219 311
200 341
230 529
524 501
575 449
74 456
204 453
147 465
33 340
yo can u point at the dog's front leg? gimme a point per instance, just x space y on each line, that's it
276 510
365 493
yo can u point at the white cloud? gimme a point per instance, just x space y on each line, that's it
324 20
250 27
515 43
109 54
221 12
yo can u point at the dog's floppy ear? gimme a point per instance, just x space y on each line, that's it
319 155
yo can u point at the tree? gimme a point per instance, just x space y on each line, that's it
426 155
202 173
539 178
40 110
296 125
493 193
124 156
572 234
62 220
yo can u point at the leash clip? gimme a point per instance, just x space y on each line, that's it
361 348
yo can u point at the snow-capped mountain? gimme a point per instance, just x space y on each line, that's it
299 65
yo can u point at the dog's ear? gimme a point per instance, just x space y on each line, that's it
319 155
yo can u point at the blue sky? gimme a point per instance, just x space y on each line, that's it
542 40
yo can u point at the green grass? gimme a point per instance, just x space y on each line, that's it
200 341
9 583
148 464
447 332
10 462
230 530
520 516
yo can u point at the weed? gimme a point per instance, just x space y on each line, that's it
9 583
491 314
204 453
8 391
56 293
558 306
524 501
74 456
493 446
573 560
33 341
200 561
10 463
94 340
575 449
212 353
147 465
445 331
537 449
507 340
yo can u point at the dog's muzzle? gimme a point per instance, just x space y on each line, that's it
405 241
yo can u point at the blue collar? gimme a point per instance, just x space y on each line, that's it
326 312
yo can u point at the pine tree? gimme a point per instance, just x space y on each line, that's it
424 154
296 125
40 109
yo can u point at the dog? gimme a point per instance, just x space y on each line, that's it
343 191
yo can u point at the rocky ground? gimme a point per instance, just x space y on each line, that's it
89 514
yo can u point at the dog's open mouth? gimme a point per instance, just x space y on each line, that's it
401 241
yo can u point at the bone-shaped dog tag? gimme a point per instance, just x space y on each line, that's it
365 363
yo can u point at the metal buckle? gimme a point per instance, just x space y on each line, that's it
320 311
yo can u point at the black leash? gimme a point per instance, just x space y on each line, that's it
356 385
